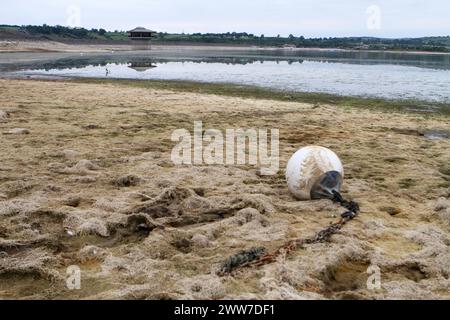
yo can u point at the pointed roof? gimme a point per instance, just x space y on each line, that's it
141 69
141 29
142 66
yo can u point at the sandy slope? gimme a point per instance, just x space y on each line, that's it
55 46
65 199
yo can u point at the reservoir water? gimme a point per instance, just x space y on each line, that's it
405 76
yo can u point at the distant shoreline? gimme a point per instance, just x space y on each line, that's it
41 46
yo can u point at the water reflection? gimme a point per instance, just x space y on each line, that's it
242 57
138 64
374 74
142 66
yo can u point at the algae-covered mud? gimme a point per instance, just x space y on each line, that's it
87 181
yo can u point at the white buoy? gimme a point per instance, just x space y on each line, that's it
314 172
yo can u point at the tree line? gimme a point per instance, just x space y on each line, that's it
244 38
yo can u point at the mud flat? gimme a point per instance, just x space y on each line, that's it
13 45
99 46
86 179
53 46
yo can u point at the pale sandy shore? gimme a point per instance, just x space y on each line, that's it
90 183
54 46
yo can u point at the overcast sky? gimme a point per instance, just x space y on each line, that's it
310 18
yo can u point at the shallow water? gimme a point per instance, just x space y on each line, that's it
437 134
369 74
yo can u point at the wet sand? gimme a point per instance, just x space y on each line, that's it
54 46
37 46
90 183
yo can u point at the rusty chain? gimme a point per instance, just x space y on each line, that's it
257 257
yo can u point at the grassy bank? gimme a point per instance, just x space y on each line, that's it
253 92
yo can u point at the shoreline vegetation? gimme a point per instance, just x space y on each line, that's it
254 92
66 35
